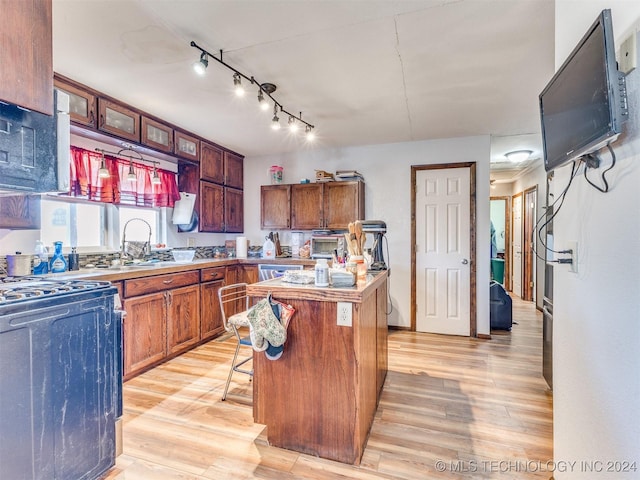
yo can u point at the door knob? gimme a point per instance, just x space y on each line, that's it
465 261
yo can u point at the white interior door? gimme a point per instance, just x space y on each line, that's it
516 278
443 249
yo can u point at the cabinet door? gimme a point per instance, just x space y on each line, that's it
210 316
144 332
186 146
26 76
119 120
183 318
233 170
211 207
343 203
82 104
250 273
233 210
157 135
275 207
306 206
211 163
20 212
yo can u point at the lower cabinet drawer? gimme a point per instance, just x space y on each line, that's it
212 274
158 283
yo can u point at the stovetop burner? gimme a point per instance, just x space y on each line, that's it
15 289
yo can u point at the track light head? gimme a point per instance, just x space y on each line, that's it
131 176
103 172
309 133
237 83
200 67
262 102
275 121
155 179
293 125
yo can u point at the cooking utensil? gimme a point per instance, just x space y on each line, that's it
18 265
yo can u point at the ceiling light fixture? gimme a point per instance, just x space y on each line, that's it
103 172
293 126
131 176
518 156
264 89
237 85
200 67
308 130
155 179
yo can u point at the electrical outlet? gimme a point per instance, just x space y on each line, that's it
344 314
191 242
628 55
573 267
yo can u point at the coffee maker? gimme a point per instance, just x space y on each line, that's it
377 228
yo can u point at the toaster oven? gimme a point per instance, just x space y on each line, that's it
324 246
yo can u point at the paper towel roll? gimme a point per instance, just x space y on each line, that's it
241 247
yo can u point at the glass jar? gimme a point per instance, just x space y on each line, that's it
361 266
276 173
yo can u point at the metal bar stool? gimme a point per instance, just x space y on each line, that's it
234 305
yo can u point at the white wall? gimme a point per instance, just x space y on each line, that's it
387 173
597 310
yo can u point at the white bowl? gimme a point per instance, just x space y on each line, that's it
183 256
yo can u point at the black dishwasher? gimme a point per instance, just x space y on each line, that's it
60 379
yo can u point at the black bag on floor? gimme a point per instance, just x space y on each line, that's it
500 310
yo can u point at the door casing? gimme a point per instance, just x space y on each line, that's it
473 328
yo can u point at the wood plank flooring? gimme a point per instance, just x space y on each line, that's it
451 407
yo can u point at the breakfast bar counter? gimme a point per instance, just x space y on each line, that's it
321 395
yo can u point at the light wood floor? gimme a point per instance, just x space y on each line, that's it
452 407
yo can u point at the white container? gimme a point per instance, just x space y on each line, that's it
297 240
322 273
268 249
183 256
241 247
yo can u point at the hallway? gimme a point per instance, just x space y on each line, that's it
452 407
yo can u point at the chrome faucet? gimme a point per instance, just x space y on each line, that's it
147 245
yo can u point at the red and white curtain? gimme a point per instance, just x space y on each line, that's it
117 189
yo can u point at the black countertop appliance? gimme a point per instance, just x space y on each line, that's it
377 228
60 378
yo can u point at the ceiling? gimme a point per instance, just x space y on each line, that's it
363 72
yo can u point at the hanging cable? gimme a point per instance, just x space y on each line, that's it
561 197
604 189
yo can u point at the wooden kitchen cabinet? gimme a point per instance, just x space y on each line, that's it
183 318
233 210
144 332
186 146
163 318
211 163
82 103
233 170
26 54
119 120
250 273
156 135
211 207
210 316
306 206
275 207
20 212
343 202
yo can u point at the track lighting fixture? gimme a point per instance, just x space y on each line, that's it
237 85
275 121
103 172
201 65
264 90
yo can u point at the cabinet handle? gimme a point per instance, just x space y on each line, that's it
169 298
101 120
92 117
167 282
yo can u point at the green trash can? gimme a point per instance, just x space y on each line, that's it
497 270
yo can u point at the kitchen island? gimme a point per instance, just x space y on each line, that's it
321 396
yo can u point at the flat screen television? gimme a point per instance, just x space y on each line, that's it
584 105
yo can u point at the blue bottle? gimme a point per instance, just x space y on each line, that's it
57 264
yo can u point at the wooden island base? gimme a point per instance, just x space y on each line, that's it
320 397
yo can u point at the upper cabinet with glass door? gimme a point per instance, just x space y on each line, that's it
157 135
119 120
82 103
186 146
